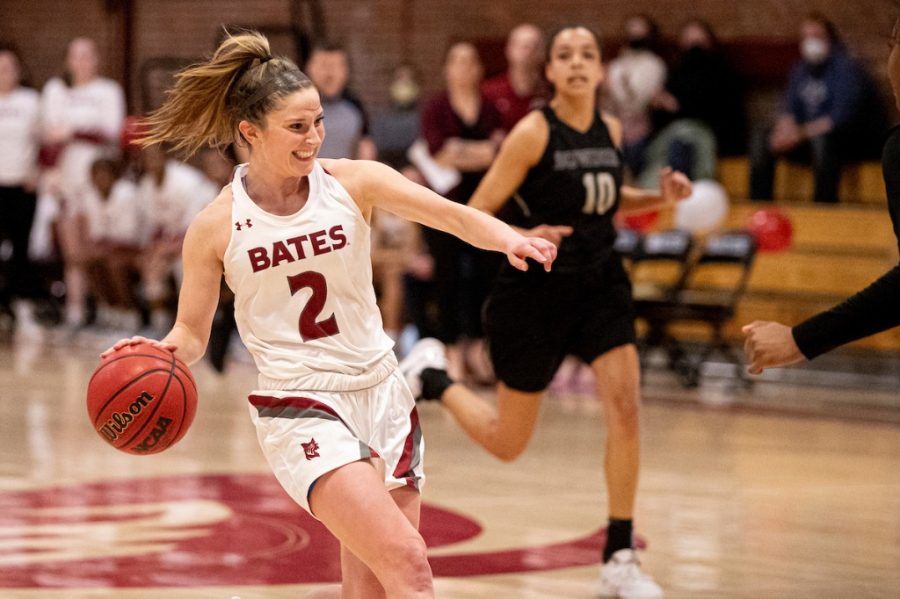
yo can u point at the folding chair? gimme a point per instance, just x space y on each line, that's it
627 243
659 265
709 294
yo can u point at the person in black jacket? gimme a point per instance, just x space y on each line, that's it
872 310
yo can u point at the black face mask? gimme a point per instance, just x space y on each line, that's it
638 43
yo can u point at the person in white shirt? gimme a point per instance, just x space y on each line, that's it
113 220
19 133
635 77
82 116
172 194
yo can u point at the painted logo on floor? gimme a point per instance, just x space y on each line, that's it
212 531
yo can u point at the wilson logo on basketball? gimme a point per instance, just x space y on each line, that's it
120 421
155 435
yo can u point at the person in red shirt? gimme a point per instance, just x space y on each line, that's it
522 87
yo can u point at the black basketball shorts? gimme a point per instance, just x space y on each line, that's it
532 320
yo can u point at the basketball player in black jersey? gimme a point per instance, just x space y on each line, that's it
562 167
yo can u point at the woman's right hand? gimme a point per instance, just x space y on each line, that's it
769 345
540 250
552 233
137 339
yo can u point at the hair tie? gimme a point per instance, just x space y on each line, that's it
265 59
267 88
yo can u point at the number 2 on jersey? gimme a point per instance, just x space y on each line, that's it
599 192
310 328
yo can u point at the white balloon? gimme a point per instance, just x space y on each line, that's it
704 210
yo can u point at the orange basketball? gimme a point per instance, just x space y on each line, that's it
141 399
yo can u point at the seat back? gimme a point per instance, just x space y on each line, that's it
627 243
660 263
722 270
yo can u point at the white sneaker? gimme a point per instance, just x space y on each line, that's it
426 353
622 578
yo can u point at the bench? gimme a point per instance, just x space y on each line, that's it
837 250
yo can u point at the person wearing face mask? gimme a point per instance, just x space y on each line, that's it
395 130
699 115
870 311
831 115
636 76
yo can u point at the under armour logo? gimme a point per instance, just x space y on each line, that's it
311 449
238 225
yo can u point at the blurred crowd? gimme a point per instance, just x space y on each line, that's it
92 224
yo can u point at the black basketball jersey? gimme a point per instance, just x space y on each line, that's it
575 183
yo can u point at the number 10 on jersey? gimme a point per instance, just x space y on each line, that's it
599 193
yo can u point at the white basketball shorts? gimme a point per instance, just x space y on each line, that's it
305 434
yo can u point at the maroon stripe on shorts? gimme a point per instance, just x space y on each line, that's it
410 447
271 406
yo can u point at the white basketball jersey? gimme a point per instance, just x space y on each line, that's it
304 302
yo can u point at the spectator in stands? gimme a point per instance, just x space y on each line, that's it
19 140
395 130
831 115
462 129
172 193
82 116
217 166
635 77
522 87
872 310
699 115
115 237
348 124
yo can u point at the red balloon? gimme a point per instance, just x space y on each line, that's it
641 222
772 229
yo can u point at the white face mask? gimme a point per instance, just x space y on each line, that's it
814 50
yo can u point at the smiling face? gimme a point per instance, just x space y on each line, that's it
289 139
574 67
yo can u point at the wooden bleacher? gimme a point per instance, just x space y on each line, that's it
861 182
837 250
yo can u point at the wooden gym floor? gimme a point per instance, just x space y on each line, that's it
789 489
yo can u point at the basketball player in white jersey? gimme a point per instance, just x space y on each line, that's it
334 416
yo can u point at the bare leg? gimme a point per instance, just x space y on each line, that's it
72 231
352 568
382 553
505 430
618 385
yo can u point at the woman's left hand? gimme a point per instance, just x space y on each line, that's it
675 185
539 250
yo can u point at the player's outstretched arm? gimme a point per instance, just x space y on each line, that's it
521 150
870 311
374 184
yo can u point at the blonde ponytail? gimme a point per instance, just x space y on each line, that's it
242 81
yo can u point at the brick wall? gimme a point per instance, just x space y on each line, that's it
381 33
